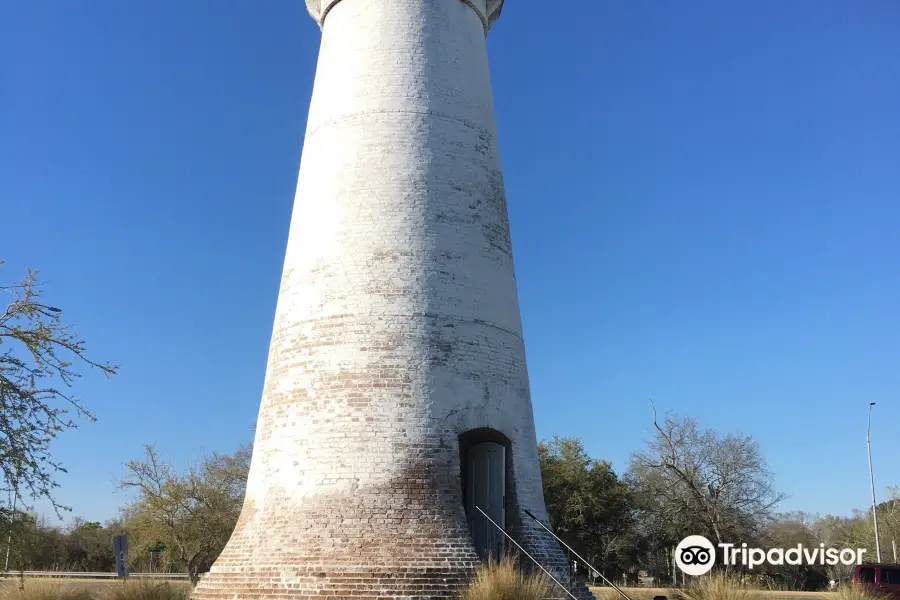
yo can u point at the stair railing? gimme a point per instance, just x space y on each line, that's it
509 537
597 571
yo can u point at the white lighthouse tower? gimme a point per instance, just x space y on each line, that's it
396 396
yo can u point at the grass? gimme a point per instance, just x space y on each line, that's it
855 593
143 589
44 590
607 593
493 581
717 586
59 589
504 580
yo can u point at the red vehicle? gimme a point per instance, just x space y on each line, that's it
880 578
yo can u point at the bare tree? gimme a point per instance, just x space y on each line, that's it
696 477
787 530
193 513
39 364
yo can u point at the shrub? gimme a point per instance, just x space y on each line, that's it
504 580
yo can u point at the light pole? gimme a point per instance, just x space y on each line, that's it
9 538
872 482
12 516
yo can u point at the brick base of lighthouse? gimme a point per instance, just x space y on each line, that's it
409 540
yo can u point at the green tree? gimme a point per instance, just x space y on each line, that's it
82 546
589 507
36 544
88 547
40 360
192 513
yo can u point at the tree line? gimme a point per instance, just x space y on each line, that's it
693 481
688 480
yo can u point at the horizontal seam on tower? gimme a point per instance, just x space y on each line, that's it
445 116
427 315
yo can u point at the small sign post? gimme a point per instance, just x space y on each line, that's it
120 548
155 549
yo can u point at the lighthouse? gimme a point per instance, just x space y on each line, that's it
396 403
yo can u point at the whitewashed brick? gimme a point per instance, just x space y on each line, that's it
397 326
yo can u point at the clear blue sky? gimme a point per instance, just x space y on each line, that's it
703 196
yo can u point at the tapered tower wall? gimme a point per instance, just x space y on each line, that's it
397 327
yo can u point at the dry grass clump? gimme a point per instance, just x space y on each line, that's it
716 586
55 589
44 589
855 592
143 589
504 580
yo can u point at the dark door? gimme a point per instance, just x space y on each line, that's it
486 485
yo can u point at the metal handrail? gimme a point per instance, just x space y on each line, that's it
597 571
509 537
